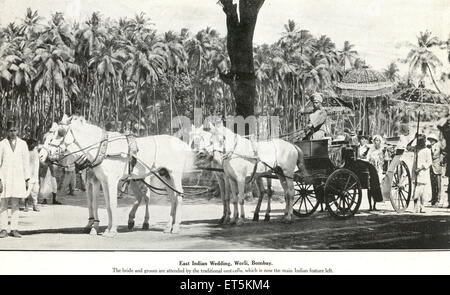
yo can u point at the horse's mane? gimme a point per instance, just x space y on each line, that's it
80 120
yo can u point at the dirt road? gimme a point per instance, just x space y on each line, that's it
59 227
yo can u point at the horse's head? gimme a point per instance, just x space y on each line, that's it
222 138
56 141
200 143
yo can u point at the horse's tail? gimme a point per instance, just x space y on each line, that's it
301 162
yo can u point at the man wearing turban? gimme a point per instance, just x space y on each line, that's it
317 119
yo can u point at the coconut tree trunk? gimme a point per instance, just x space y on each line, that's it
170 105
241 78
432 78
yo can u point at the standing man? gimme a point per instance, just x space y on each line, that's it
47 179
444 126
69 178
33 187
317 119
421 173
14 176
435 170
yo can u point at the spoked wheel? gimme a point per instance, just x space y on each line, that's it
343 194
401 187
306 202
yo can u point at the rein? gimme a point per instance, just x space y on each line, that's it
82 161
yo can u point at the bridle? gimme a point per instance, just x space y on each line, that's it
82 161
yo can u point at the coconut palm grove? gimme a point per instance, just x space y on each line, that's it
126 70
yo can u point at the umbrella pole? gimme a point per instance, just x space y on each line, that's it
367 116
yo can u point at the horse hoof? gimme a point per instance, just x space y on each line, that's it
267 218
256 217
109 234
240 222
130 225
232 221
167 230
286 220
93 232
176 230
145 226
221 220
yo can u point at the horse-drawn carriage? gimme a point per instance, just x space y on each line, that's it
336 178
336 182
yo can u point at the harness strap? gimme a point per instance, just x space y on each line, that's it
101 152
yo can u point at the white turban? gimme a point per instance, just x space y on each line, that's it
317 97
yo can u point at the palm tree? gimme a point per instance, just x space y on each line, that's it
315 75
391 72
108 63
30 26
89 39
58 32
347 55
175 62
52 64
146 63
326 48
422 58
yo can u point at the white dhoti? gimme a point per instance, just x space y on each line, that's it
14 213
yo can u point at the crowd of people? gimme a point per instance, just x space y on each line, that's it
24 178
431 155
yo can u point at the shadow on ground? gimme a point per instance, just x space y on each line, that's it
320 231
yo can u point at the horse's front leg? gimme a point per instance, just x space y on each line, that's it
110 192
95 193
227 192
172 198
241 189
259 187
269 199
221 182
178 203
91 219
146 195
234 199
145 224
137 195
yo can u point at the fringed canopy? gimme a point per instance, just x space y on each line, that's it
421 95
364 82
331 110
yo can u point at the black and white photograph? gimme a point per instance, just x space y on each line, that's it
244 127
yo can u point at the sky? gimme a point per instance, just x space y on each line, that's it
378 28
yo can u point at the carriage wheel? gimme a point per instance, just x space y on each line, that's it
343 193
401 187
306 202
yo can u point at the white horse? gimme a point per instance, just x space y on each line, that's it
243 159
167 155
197 141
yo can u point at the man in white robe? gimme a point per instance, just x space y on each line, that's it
14 177
33 187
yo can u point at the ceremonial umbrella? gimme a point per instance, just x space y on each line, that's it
362 83
408 100
420 95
